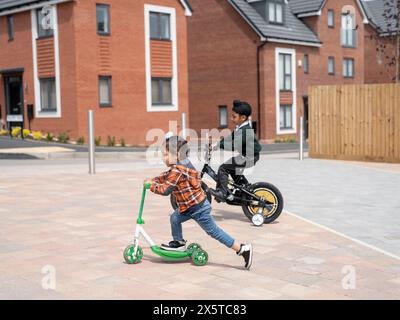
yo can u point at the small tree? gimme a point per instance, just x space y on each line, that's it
391 18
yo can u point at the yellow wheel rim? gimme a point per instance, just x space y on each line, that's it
269 196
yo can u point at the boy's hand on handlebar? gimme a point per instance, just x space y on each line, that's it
147 181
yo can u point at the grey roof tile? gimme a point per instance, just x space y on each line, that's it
375 12
293 29
305 6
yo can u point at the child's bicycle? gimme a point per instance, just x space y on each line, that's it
261 202
133 253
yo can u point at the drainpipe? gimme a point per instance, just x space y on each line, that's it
259 88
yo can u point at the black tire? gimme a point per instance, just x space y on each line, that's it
273 194
203 186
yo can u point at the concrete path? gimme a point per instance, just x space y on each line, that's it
57 220
360 200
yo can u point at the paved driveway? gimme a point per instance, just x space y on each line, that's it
57 218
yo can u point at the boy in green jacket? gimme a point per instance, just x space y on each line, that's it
242 140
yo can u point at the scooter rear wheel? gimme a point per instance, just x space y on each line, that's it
199 257
130 256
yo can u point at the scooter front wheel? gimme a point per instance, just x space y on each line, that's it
130 256
199 257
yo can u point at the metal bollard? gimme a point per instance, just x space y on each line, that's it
301 155
184 125
92 165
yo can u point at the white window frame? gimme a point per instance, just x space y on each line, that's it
292 52
38 104
174 81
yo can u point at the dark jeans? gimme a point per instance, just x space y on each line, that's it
206 221
233 167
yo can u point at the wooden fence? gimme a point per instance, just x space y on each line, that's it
355 122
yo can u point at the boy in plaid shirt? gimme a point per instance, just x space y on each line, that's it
184 181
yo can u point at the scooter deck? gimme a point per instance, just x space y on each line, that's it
170 255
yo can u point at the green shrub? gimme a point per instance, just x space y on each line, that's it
81 140
97 141
122 142
63 137
49 137
111 141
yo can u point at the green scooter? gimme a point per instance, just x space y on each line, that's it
133 253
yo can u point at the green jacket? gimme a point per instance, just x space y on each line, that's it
243 141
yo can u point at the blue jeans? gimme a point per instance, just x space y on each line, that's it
204 218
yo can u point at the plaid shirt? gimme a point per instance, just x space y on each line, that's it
183 182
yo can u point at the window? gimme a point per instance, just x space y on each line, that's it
105 91
223 116
285 70
348 68
286 117
275 12
10 25
159 26
103 19
161 89
331 65
348 32
331 18
48 95
306 64
44 22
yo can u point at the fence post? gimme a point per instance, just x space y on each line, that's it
301 155
92 168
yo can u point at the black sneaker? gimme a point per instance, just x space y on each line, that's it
246 251
175 246
218 195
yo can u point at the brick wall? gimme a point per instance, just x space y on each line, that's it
377 68
223 62
128 117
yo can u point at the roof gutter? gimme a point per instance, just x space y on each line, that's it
294 42
309 14
32 6
366 20
188 9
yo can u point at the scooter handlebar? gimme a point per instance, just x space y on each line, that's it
147 185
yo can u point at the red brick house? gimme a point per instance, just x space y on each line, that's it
126 60
268 52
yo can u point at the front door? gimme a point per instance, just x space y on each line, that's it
14 100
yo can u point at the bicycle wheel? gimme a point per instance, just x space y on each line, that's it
273 198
